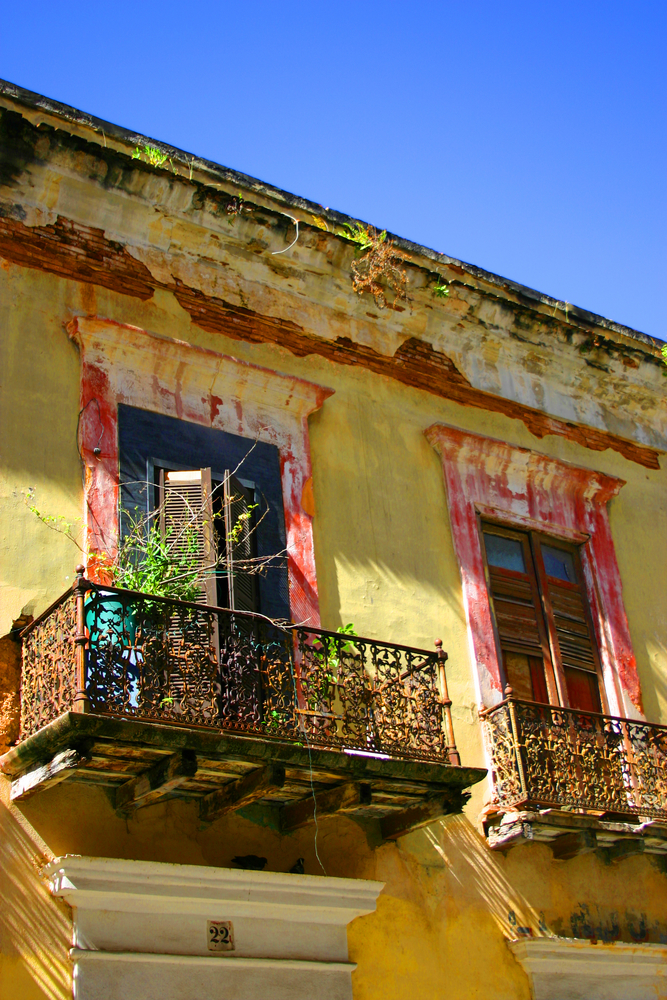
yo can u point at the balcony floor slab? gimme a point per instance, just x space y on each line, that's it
115 750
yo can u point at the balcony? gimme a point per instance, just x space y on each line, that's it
577 780
159 698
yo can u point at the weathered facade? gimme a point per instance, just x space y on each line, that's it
447 455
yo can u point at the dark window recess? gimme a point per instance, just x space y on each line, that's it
542 620
229 485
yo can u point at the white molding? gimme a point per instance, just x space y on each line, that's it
572 969
81 954
153 886
139 926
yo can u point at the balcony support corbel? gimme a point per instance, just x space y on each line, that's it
161 779
571 845
625 848
56 770
244 792
414 817
339 799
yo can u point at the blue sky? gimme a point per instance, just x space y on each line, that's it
526 138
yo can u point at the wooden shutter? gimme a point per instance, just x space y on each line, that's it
571 633
186 504
542 620
239 545
518 616
515 611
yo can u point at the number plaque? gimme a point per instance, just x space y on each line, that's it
220 935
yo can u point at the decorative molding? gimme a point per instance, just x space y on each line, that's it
125 364
572 969
141 929
530 489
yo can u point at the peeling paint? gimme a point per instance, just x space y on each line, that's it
124 364
521 486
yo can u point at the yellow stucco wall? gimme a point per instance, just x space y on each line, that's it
385 561
384 551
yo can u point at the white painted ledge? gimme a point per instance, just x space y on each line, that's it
141 930
571 969
149 886
136 958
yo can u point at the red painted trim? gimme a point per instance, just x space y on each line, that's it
125 364
529 489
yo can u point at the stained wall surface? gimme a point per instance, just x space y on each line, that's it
172 259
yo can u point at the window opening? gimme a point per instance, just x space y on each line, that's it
543 627
150 441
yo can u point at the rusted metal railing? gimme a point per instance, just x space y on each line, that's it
121 653
547 756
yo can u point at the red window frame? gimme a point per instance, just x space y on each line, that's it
531 491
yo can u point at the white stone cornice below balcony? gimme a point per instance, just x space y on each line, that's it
572 969
143 929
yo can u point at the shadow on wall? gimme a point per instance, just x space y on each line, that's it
35 929
465 854
619 903
654 682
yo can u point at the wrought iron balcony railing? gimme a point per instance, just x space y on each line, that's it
120 653
547 756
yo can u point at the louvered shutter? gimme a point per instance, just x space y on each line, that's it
186 510
515 611
518 615
239 545
571 628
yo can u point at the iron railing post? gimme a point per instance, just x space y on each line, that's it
515 727
635 790
80 588
446 703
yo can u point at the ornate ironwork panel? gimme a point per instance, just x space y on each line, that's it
545 755
48 677
152 658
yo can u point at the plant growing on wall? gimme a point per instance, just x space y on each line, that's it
152 155
151 559
378 266
148 560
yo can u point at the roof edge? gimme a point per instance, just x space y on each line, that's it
38 102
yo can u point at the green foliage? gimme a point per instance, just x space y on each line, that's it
165 565
236 532
363 236
329 656
275 720
663 351
333 650
150 560
440 289
151 154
